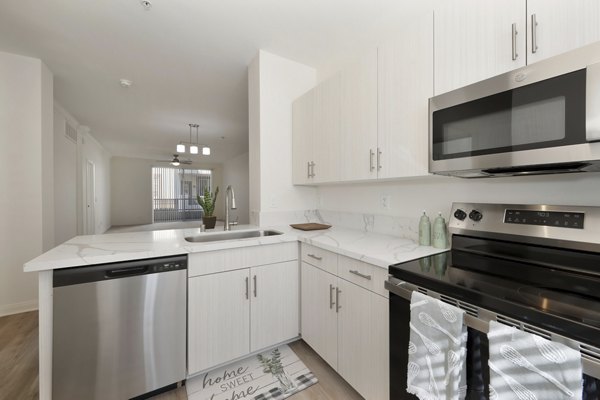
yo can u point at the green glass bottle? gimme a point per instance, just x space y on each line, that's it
439 232
424 230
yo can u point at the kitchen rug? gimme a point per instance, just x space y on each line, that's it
274 374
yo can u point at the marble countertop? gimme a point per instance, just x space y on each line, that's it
372 248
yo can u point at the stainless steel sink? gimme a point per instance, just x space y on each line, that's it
216 237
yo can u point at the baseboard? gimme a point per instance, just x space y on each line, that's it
17 308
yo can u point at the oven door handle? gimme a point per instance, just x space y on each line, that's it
394 285
405 289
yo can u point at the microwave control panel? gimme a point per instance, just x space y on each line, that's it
558 219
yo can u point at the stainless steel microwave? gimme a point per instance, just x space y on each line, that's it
542 118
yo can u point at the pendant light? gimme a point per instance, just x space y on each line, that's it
194 147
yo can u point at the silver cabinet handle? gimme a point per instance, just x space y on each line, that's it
312 169
308 169
247 288
534 46
255 286
315 257
337 300
514 42
361 275
371 157
378 159
331 302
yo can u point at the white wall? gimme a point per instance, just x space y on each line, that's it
235 173
131 181
410 197
273 84
65 177
90 149
26 176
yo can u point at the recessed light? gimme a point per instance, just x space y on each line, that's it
125 82
146 4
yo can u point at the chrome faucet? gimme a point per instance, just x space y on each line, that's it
229 192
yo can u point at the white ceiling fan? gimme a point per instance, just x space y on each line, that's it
175 161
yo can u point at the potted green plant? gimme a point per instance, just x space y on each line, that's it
208 203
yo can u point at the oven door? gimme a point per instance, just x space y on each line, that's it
477 355
527 121
478 378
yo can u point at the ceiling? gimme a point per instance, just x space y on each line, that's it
187 59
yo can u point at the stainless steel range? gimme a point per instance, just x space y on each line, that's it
535 267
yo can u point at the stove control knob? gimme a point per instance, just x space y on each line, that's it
475 215
460 215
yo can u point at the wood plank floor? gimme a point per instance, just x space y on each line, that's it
19 366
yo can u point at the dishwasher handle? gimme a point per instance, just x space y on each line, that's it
123 272
125 269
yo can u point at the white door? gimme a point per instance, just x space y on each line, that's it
326 139
405 86
302 137
363 340
274 305
358 135
218 319
90 198
561 25
318 312
474 41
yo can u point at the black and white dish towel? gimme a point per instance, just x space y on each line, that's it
437 350
524 366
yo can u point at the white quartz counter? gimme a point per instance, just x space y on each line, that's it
372 248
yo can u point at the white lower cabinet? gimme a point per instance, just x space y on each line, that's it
347 325
363 340
319 320
218 319
234 313
274 306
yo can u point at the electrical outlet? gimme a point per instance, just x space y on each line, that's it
386 201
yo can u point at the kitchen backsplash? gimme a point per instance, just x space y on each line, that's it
403 227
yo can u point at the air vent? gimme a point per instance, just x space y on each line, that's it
70 132
537 331
508 321
590 352
420 289
449 300
468 308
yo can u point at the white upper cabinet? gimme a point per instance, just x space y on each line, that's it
474 40
405 86
326 132
358 137
303 125
560 26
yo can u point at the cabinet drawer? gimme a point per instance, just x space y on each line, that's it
317 257
366 275
211 262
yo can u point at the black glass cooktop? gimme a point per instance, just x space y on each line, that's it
555 289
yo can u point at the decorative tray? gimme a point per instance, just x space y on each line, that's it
310 226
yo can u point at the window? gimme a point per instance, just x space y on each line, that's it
174 192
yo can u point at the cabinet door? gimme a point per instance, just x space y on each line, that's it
318 314
562 25
218 319
326 139
358 136
363 340
473 41
405 86
274 305
303 120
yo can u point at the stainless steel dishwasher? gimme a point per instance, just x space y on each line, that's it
119 330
